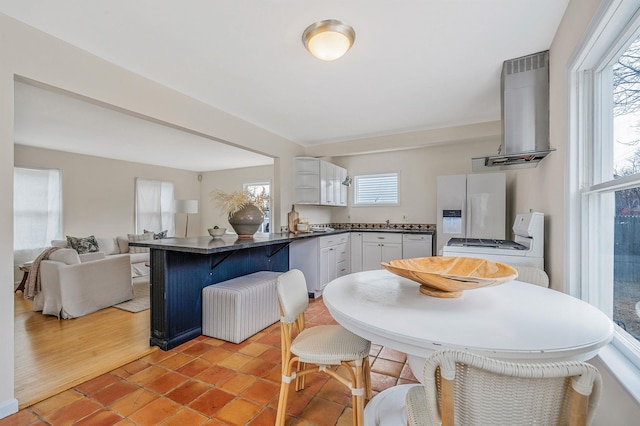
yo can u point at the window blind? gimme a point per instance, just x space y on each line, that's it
378 189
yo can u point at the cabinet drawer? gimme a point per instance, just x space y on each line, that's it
342 252
381 237
342 268
333 240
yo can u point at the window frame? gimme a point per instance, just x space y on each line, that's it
266 224
166 216
612 28
358 178
25 253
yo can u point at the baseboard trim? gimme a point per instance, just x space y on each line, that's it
8 407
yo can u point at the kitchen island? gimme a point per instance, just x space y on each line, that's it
182 267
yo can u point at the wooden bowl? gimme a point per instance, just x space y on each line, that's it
449 276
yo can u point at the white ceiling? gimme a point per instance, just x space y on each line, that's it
48 119
415 64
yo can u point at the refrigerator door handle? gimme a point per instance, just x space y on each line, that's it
465 222
469 223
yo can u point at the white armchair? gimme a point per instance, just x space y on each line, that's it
71 288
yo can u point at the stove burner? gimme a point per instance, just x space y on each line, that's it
485 242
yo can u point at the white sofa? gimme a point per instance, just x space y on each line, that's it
111 246
71 287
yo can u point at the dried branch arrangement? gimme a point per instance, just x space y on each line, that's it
230 203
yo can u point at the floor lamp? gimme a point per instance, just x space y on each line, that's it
187 207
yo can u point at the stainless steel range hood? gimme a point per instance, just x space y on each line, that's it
525 115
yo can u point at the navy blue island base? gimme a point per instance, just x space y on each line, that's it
182 267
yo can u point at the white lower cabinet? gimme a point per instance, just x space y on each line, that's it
343 266
355 251
380 247
321 260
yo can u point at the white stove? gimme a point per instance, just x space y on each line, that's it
527 249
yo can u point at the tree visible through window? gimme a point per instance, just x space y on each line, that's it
626 164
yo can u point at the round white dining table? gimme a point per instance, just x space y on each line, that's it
515 321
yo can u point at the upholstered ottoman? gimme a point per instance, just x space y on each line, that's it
236 309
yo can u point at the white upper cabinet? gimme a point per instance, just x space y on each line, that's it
319 182
307 181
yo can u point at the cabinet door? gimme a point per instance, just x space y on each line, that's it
336 185
326 183
355 254
328 266
307 181
333 264
371 255
323 266
304 255
390 251
343 188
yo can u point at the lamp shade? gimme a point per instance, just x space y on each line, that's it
186 206
328 40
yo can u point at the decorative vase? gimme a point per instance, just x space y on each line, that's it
246 221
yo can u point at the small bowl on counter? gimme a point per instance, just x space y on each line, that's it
217 232
303 227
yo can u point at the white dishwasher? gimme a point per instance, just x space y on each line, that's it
417 245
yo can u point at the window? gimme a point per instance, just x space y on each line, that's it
606 177
37 212
375 190
154 206
258 188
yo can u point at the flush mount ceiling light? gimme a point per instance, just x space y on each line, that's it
329 39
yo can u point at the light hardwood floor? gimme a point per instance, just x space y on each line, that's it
53 355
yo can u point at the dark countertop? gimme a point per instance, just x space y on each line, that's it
230 242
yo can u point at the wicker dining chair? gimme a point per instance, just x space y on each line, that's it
532 275
465 389
324 346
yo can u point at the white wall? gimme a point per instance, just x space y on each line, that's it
418 171
418 156
8 404
99 193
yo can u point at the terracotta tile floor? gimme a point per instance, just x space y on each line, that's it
212 382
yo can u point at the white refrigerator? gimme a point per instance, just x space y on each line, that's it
471 206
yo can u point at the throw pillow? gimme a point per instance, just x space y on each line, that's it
83 244
148 236
158 235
